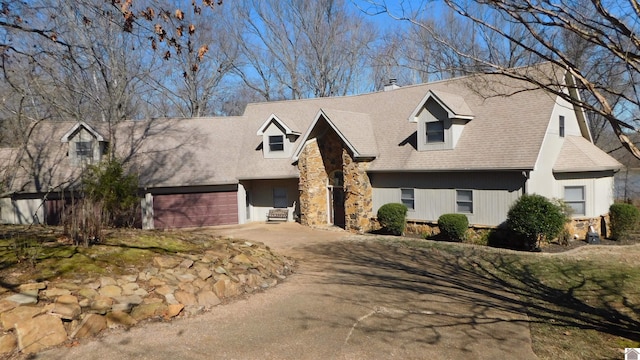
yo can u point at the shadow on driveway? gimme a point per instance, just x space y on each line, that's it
462 288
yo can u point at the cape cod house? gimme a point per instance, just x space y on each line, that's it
470 145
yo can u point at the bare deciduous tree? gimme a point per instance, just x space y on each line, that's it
203 59
299 49
537 28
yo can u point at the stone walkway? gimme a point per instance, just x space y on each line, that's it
350 298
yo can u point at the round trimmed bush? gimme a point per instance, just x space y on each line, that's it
393 217
533 218
453 226
624 218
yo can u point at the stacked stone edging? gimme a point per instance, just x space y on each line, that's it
47 314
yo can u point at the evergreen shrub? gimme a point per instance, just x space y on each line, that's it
533 218
453 226
393 217
624 219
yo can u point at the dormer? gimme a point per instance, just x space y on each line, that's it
277 138
441 118
85 144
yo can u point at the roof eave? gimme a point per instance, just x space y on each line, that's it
94 132
272 177
274 118
516 169
588 169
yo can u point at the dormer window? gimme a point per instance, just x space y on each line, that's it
441 118
435 132
276 143
277 138
85 144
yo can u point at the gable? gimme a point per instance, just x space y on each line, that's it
277 138
453 105
440 124
274 120
84 144
354 130
79 127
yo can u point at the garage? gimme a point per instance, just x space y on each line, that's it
195 209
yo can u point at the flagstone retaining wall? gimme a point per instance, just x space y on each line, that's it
38 315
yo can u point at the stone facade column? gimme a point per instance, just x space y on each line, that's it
358 202
312 186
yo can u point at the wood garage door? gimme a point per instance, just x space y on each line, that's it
193 210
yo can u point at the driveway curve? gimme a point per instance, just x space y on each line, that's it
350 298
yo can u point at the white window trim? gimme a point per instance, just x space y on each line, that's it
426 133
464 201
583 201
412 199
281 143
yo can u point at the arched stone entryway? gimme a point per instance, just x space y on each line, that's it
334 188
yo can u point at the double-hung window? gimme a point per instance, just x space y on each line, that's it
435 132
574 197
464 201
407 198
276 143
561 126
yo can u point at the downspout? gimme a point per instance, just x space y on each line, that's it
525 185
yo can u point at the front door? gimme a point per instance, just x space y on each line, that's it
337 206
336 198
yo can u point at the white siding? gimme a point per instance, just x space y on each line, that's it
598 186
242 204
21 211
435 193
598 191
604 195
146 207
541 178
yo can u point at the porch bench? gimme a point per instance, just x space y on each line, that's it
278 214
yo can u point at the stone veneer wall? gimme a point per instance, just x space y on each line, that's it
578 227
313 186
358 194
318 159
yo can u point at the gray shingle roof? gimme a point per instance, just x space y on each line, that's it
354 128
506 132
510 118
578 154
41 166
183 152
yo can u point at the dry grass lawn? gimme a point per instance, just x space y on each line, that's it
582 304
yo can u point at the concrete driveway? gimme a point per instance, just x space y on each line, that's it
349 299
